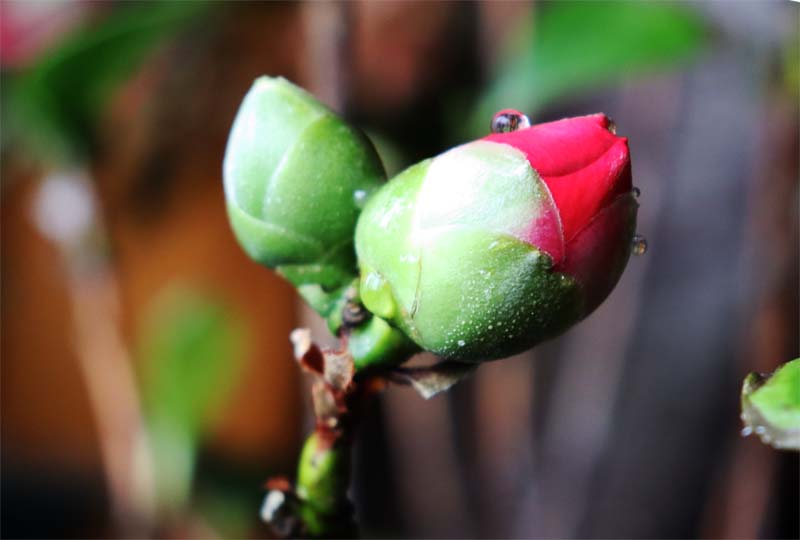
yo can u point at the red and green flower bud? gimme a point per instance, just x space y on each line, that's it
498 244
295 177
476 254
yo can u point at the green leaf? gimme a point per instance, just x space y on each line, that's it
191 353
771 406
56 103
578 46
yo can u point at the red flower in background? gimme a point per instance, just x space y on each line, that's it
28 28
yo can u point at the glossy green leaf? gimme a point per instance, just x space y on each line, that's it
579 46
771 406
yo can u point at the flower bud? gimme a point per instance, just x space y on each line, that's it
295 176
498 244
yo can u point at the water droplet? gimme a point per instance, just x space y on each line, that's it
760 430
509 120
747 431
638 245
637 192
461 343
360 197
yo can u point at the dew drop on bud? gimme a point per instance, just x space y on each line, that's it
747 431
509 120
360 198
637 192
638 245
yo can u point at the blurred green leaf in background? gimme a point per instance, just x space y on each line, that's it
579 46
191 353
53 105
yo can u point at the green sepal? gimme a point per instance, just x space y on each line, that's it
485 302
377 343
372 343
328 304
329 272
475 303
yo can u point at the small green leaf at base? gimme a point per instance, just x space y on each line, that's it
771 406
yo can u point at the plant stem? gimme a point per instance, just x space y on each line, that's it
317 506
